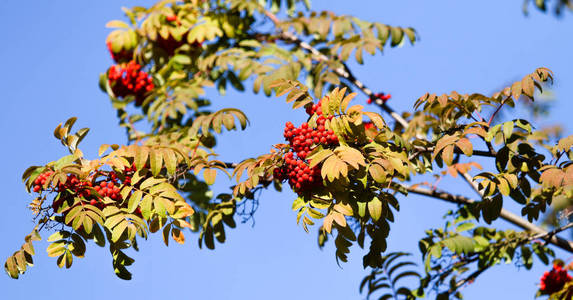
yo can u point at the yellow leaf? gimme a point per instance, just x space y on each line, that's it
339 219
210 175
466 146
350 155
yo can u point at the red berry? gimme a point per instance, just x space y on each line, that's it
171 18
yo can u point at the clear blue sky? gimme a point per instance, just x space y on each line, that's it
53 52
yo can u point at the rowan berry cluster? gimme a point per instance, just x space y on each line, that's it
302 140
380 96
110 187
123 55
301 177
40 181
129 80
554 280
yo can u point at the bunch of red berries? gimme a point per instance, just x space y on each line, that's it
77 187
110 187
554 280
300 176
40 181
129 80
314 109
123 55
380 96
302 140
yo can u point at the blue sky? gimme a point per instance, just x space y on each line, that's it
54 52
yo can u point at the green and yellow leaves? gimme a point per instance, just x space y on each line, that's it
309 209
156 157
123 226
216 121
71 141
337 163
213 228
206 29
457 244
124 38
527 86
350 34
21 259
65 245
83 215
297 93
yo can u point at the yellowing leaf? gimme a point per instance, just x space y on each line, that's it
318 157
350 156
375 208
376 119
333 167
210 175
466 146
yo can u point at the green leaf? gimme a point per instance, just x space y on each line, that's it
118 231
156 160
375 208
133 201
465 226
182 59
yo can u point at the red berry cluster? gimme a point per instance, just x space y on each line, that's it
123 55
302 140
40 181
314 109
301 177
554 280
380 96
72 185
77 187
110 187
129 80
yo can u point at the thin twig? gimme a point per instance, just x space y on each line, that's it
505 214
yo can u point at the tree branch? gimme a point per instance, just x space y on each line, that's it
505 214
340 71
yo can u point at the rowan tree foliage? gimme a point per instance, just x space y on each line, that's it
348 165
